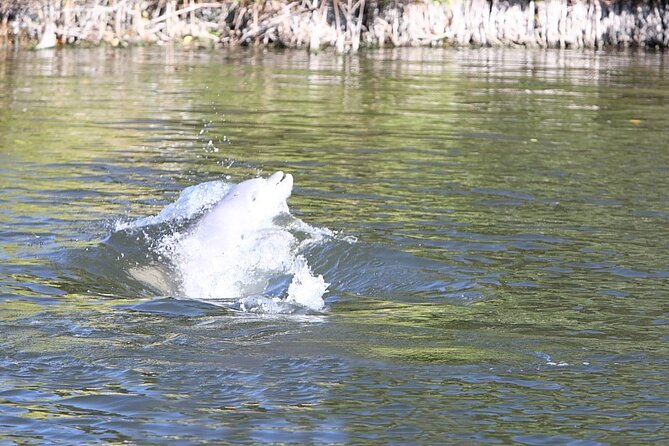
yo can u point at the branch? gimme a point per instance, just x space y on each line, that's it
191 8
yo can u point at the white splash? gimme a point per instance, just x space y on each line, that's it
240 246
191 201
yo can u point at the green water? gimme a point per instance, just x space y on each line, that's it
500 272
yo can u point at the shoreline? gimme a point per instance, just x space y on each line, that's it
344 25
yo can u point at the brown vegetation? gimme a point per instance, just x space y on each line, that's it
343 24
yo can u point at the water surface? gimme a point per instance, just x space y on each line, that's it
499 272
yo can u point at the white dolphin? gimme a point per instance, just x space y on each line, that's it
238 247
248 207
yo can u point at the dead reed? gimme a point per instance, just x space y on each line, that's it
343 24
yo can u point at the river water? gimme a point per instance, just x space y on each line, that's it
497 257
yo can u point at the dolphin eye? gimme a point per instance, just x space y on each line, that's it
254 198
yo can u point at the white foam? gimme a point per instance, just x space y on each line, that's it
306 289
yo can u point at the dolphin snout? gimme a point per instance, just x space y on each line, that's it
275 178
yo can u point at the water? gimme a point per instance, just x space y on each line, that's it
497 265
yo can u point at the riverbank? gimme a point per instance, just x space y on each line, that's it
346 25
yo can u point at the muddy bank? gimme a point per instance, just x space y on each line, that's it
346 25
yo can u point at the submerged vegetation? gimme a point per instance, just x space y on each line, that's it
343 24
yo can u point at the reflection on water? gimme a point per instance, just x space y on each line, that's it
499 272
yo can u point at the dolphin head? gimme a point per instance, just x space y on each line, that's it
282 184
261 196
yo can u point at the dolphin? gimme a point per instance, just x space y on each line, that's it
239 247
247 208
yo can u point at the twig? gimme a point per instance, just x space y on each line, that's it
190 8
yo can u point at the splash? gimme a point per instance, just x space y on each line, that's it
191 202
238 245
